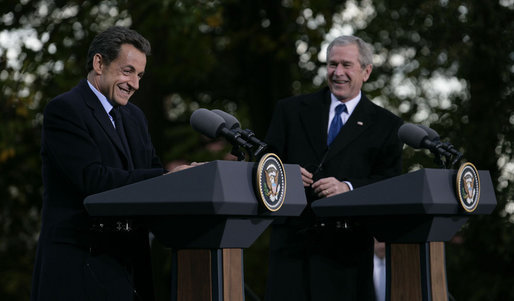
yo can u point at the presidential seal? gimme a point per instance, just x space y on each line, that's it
271 182
468 187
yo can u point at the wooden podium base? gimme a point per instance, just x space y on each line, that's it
416 272
207 275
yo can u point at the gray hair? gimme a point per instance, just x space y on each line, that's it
365 49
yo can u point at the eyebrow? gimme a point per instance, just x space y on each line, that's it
340 62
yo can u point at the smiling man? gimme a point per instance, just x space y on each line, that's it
342 141
93 140
119 79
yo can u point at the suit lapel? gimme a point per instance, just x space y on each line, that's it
314 118
101 116
131 132
356 125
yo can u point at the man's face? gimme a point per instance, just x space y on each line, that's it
344 73
120 79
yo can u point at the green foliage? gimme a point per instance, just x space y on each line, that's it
241 57
458 39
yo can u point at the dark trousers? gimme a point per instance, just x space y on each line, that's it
309 263
112 267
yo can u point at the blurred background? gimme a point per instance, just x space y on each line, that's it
446 64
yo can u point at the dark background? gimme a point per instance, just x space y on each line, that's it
446 64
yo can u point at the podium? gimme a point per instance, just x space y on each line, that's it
414 214
207 215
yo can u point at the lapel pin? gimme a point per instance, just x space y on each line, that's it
360 123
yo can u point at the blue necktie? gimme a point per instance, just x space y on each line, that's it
336 124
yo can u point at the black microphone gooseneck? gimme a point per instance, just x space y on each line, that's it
434 136
418 136
212 126
231 122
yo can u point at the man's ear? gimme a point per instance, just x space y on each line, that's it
98 63
367 72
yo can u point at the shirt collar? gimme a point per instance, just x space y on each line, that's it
103 100
350 104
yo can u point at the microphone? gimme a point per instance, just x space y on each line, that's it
434 136
232 123
212 126
417 137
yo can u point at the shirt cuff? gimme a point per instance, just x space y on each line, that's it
349 185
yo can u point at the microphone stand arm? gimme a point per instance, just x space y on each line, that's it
259 151
236 151
438 160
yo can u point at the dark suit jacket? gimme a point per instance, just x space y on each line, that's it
330 264
83 155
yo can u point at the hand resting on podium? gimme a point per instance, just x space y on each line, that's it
184 166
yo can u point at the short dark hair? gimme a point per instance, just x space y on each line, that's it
108 44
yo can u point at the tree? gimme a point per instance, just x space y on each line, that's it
204 55
437 63
456 40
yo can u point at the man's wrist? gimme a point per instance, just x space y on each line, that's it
349 185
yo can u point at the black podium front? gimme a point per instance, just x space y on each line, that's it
206 214
414 214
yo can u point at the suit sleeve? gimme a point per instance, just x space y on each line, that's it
276 135
389 160
69 143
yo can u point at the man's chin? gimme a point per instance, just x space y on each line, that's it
339 90
340 96
121 102
122 99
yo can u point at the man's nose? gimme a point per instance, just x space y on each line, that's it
339 69
134 82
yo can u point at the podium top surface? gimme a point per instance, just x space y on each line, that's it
422 192
214 188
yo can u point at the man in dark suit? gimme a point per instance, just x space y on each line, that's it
342 141
87 148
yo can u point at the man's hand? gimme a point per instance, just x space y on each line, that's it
329 186
182 167
306 177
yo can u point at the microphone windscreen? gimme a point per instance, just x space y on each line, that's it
231 122
411 135
432 134
206 122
